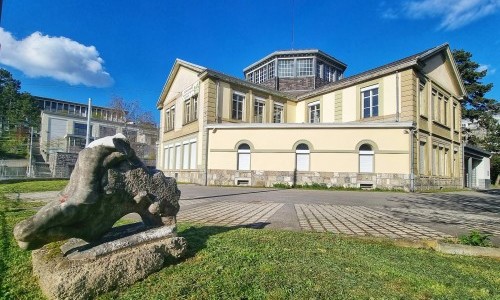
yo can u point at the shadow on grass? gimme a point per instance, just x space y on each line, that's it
197 236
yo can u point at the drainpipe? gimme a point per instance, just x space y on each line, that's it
206 158
397 96
412 158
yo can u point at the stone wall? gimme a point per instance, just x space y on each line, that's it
342 179
187 176
436 183
62 164
295 84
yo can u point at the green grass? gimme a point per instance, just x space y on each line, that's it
241 263
33 186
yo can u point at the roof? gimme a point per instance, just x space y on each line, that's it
177 64
254 86
415 60
295 53
407 62
476 151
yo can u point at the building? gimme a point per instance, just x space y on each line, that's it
63 133
297 119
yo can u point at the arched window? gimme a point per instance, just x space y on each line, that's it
366 158
302 157
244 157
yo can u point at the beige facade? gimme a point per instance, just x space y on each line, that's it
396 126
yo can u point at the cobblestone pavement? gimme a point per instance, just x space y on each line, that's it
230 213
359 220
467 221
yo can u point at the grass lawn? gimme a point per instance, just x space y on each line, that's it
241 263
33 186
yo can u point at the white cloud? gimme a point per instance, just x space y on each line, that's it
60 58
488 68
453 14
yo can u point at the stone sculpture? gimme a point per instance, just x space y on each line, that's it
108 182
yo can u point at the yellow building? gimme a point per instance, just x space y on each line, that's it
296 119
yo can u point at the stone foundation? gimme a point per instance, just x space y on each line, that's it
436 183
341 179
187 176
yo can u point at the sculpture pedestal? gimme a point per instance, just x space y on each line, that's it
78 270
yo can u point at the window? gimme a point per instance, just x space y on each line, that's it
170 118
278 113
455 119
168 157
185 155
178 157
171 158
258 110
106 131
302 157
369 97
81 129
271 70
422 161
435 106
445 111
243 157
187 111
314 112
285 68
422 99
366 159
191 109
304 67
238 101
446 162
193 155
435 160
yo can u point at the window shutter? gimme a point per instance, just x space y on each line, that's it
366 163
193 155
302 161
178 157
243 161
185 158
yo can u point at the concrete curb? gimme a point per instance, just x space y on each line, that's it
467 250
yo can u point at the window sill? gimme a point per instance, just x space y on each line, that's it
441 125
187 123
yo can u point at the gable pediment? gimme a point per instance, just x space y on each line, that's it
440 68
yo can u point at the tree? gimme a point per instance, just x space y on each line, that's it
476 107
18 112
136 121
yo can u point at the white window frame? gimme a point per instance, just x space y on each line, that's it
370 96
280 108
259 104
302 159
366 155
242 155
314 107
240 109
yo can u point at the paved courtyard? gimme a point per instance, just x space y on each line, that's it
381 214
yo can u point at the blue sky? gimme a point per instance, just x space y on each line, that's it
73 50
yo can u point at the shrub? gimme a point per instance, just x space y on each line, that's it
475 238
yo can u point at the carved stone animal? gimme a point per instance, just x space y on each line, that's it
108 182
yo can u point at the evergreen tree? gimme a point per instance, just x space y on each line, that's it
18 112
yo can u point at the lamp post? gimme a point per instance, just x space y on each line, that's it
30 161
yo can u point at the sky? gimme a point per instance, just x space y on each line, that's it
75 50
